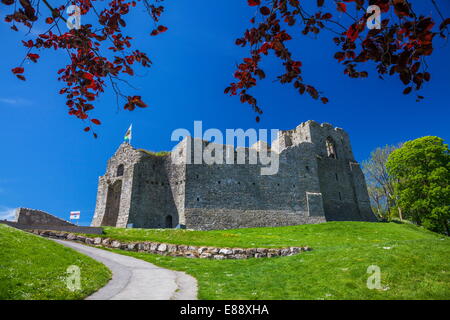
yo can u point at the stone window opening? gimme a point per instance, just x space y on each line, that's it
340 196
331 148
120 170
337 177
307 168
198 199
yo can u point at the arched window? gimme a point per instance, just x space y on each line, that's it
331 148
169 221
120 170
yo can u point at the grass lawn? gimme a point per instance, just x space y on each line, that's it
414 263
32 268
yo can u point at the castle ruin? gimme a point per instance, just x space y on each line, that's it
318 180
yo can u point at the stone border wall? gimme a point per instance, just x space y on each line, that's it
73 228
176 250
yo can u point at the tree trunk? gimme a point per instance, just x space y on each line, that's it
400 213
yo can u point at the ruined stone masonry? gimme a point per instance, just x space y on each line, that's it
318 181
32 217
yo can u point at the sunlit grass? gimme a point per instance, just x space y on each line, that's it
414 262
35 268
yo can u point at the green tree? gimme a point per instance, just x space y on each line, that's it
379 183
421 169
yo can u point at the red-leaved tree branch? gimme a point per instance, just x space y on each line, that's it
399 47
90 69
98 55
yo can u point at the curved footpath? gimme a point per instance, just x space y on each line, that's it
134 279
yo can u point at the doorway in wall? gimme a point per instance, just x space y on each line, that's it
112 204
169 221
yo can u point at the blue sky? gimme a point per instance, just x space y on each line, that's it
49 163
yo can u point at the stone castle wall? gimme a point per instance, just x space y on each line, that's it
318 180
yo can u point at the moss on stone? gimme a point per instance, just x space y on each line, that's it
153 153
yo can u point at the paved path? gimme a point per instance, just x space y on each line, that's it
135 279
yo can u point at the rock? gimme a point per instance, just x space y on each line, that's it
97 241
172 248
71 236
153 247
250 251
295 250
146 246
132 246
307 249
262 250
162 247
205 255
80 238
238 251
284 252
106 242
89 241
213 250
116 244
219 257
225 251
192 248
201 250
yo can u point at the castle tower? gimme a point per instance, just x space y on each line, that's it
342 183
115 189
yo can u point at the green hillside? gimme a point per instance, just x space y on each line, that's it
32 268
414 263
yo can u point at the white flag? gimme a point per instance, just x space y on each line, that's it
75 215
128 135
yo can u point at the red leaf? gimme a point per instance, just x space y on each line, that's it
407 90
33 57
49 20
87 129
253 3
341 7
352 33
162 29
96 121
265 11
18 70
